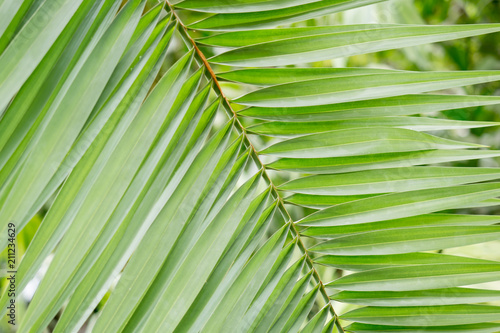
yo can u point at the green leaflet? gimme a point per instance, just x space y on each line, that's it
150 25
362 263
268 303
483 203
413 221
247 284
426 316
273 76
224 275
32 103
239 6
324 201
399 205
321 201
293 129
160 237
293 297
102 192
247 38
130 232
378 161
272 18
120 100
217 235
206 221
392 106
27 110
432 297
317 323
323 91
395 241
389 180
10 12
471 328
60 128
332 326
194 235
267 286
54 67
57 220
418 277
333 42
300 312
31 44
361 141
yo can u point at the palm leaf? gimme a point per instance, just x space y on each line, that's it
165 218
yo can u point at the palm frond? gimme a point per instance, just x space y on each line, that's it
164 210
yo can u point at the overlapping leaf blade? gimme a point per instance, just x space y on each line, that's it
419 277
419 298
58 220
173 205
325 43
476 328
399 205
361 141
404 240
392 106
292 129
378 161
272 18
60 128
32 42
389 180
427 316
362 263
323 91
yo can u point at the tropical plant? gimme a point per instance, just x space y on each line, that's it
165 217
